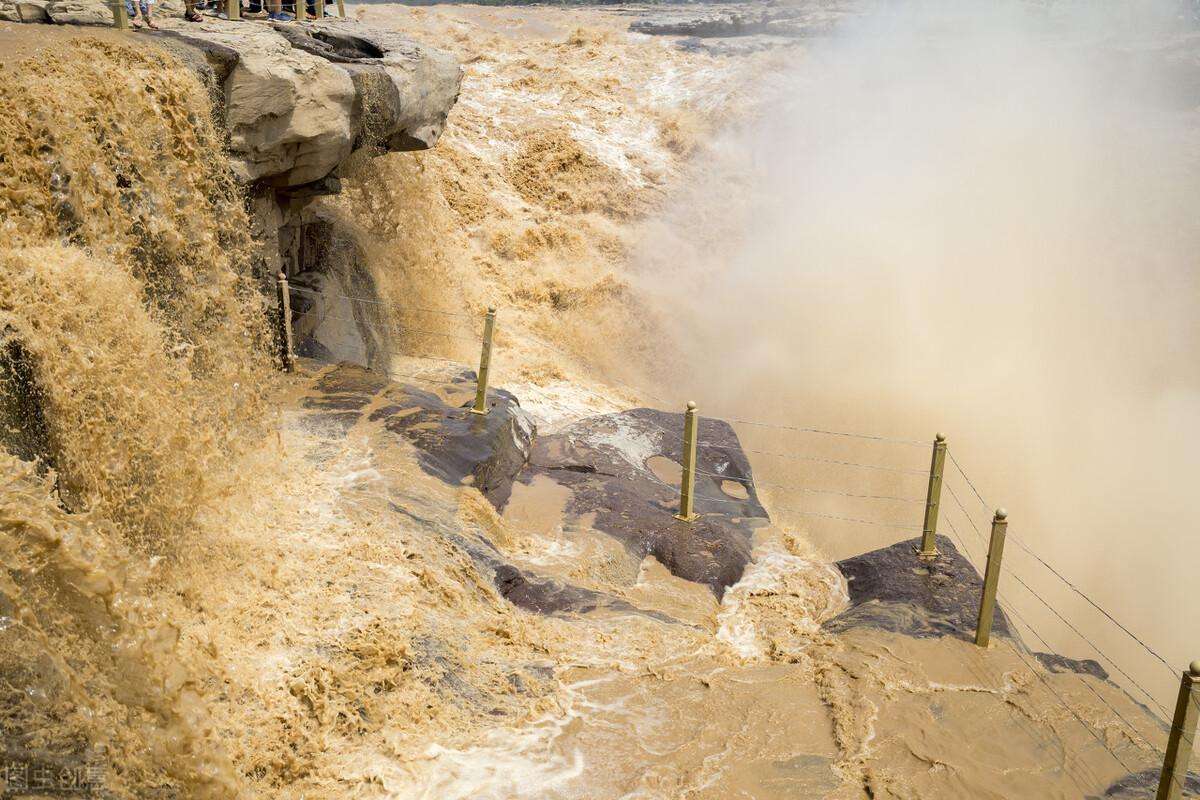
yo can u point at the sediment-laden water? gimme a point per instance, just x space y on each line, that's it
223 582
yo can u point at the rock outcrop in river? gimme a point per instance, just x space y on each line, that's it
298 102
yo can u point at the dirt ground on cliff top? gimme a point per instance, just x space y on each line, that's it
18 40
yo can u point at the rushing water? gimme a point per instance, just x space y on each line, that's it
973 219
225 599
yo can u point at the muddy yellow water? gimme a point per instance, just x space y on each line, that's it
227 596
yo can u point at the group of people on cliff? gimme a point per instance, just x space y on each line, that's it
141 12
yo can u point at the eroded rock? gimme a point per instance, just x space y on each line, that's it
609 463
33 11
80 12
1142 785
892 590
1053 662
89 12
486 451
405 90
298 101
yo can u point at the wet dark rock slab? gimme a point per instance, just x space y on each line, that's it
488 450
345 388
548 596
734 46
338 399
524 589
1142 786
457 445
1080 666
782 22
605 462
892 590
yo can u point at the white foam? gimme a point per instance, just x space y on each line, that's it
634 445
817 586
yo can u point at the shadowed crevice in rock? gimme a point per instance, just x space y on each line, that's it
336 46
892 590
606 463
331 267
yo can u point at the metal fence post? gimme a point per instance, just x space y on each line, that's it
320 9
341 8
285 314
933 499
1183 734
120 15
991 578
233 9
485 363
687 482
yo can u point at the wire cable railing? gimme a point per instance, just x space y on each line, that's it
1130 731
1127 729
835 462
1067 582
374 302
748 482
1050 607
821 431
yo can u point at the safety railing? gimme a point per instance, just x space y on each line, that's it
917 507
944 474
371 314
1180 733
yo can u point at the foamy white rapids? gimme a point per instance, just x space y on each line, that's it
510 763
812 590
533 761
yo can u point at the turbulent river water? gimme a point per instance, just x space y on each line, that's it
217 599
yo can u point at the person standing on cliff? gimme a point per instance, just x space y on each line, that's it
145 7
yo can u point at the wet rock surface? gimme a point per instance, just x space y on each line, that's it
455 445
606 462
736 29
297 101
892 590
1080 666
458 447
740 21
1144 784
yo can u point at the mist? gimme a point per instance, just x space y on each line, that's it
980 219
